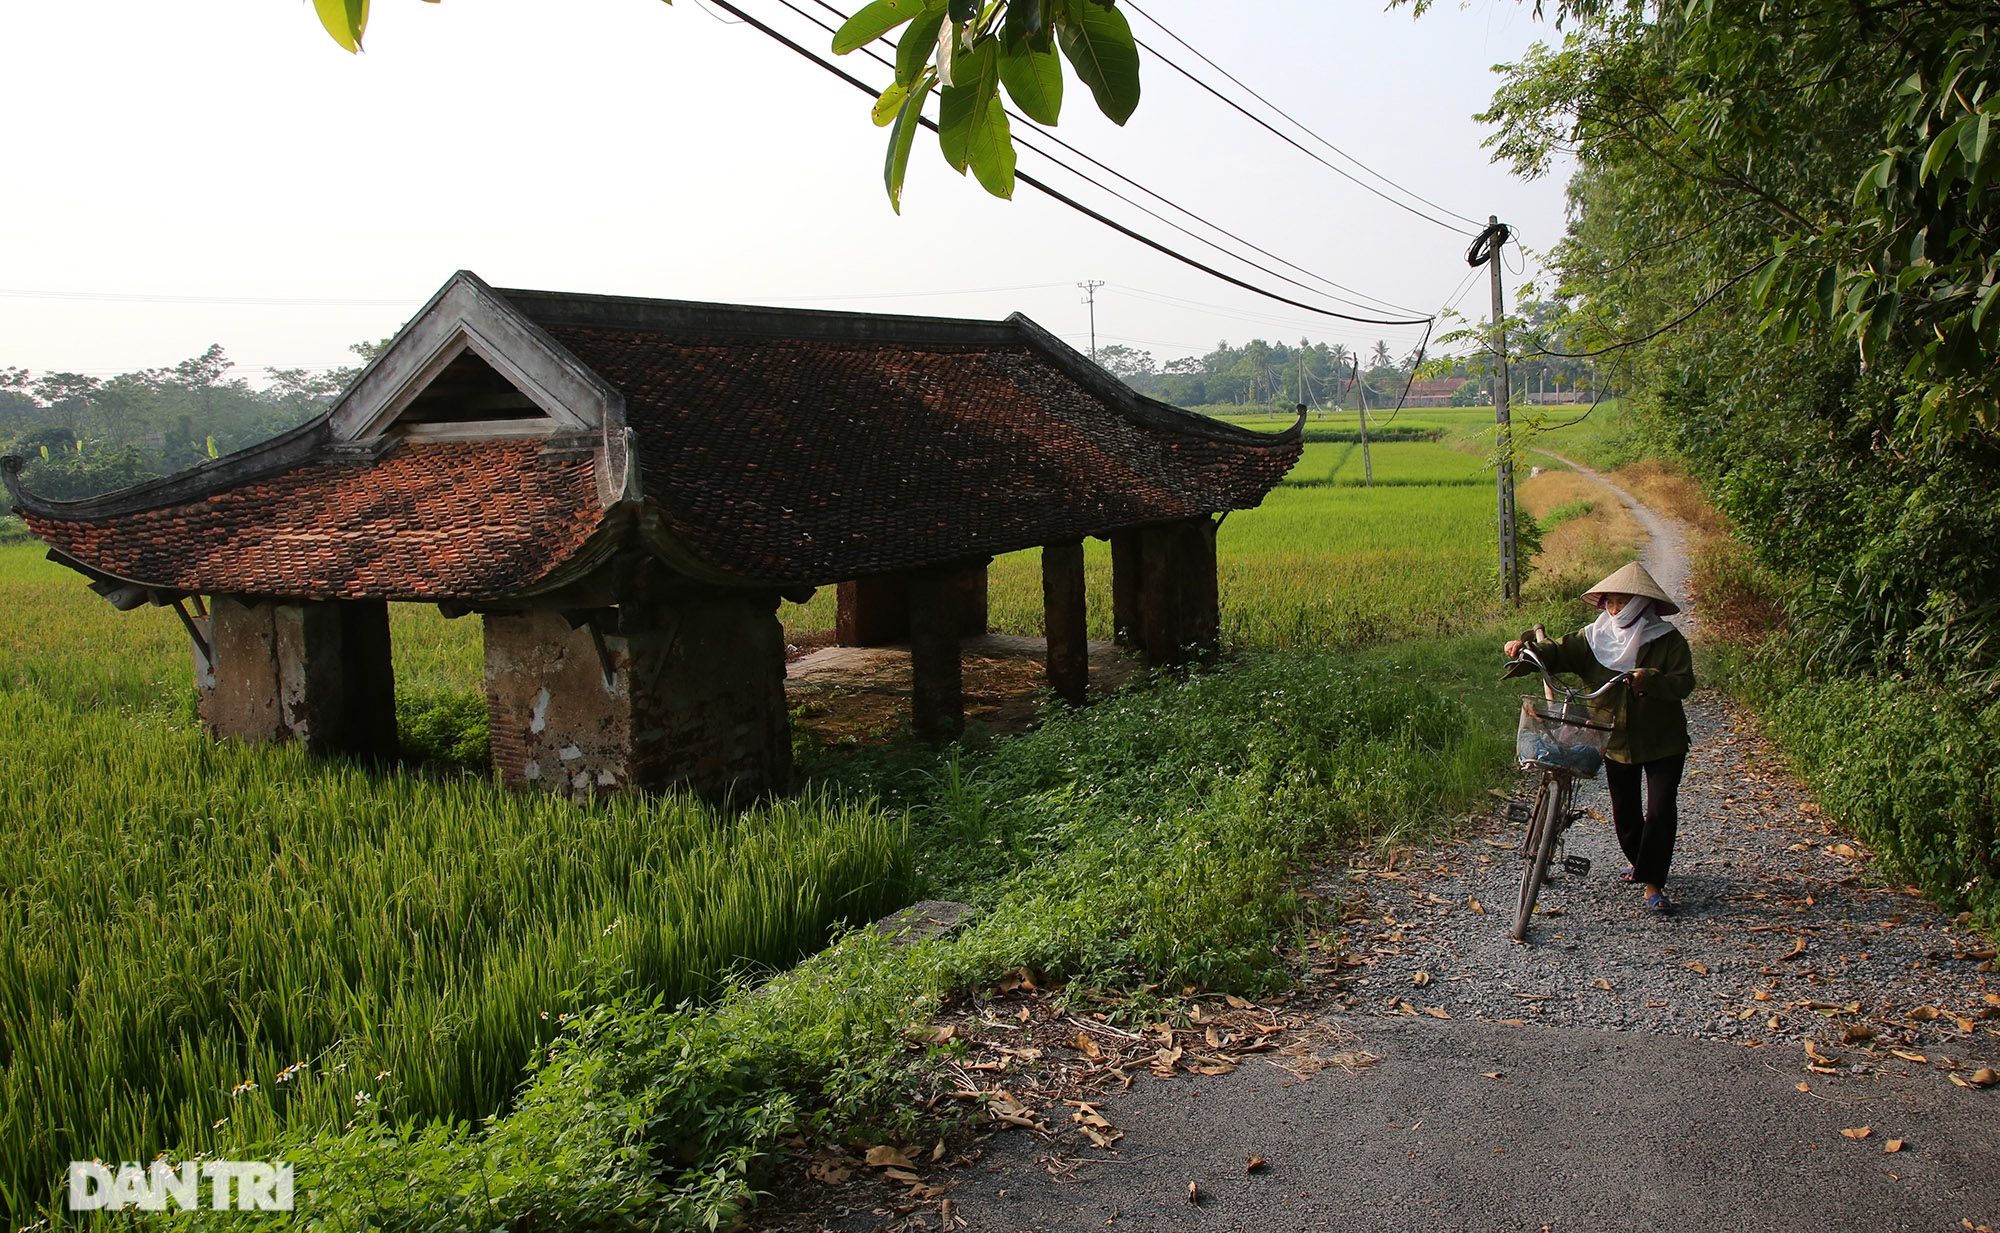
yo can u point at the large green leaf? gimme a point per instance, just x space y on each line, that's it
908 121
345 20
872 22
963 105
1099 45
991 154
1028 24
918 44
1034 80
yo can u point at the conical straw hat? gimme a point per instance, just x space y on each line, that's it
1634 580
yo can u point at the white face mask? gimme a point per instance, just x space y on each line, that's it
1616 640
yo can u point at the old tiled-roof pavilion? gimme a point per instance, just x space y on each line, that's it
624 489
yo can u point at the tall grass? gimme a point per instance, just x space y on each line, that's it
187 919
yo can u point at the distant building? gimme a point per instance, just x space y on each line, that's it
1437 393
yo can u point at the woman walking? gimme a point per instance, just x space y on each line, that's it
1650 743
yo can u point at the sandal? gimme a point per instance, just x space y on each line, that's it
1627 875
1658 903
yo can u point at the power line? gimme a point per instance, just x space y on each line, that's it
1060 196
1379 305
1261 122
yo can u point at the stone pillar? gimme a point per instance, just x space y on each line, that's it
317 672
1179 614
678 686
1125 570
1063 619
876 611
873 611
937 700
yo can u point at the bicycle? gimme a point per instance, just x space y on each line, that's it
1563 738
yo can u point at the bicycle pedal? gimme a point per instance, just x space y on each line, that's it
1578 865
1519 811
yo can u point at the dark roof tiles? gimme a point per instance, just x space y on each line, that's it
429 521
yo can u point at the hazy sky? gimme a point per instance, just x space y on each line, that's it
182 174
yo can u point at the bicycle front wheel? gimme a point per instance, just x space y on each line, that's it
1546 829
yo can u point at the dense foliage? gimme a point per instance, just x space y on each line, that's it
1785 242
83 435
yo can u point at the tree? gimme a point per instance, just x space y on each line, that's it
965 50
1851 146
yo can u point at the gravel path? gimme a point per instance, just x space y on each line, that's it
1785 933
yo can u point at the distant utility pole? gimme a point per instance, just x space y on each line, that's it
1367 463
1089 288
1492 241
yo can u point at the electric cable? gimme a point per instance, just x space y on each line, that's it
1301 126
1622 344
1379 304
1064 198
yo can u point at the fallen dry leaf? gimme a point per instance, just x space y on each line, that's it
1164 1062
1436 1012
1924 1014
1255 1163
1959 1080
1798 948
1804 1086
1601 983
1858 1132
1476 906
1238 1003
937 1153
886 1157
1762 995
901 1175
1812 1051
1893 1145
1194 1193
1697 967
1491 1074
1966 1026
1985 1077
1858 1034
1213 1037
1088 1047
1907 1056
1992 999
1841 849
831 1170
1420 979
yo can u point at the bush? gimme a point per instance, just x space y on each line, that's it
447 731
1914 769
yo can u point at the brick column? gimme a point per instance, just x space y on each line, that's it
317 672
679 686
937 699
1063 619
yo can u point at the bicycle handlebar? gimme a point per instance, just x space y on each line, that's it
1528 658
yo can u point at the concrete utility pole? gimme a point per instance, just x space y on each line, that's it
1089 288
1510 569
1367 463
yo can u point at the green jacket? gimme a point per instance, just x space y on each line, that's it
1651 723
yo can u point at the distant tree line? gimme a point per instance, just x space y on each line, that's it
1329 375
84 435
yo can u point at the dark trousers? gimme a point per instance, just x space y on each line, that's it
1646 830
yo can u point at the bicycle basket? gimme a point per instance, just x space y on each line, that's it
1561 736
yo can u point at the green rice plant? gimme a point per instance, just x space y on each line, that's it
210 940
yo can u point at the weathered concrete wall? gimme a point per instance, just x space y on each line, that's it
318 673
553 718
688 691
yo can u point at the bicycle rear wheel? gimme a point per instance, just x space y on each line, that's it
1546 829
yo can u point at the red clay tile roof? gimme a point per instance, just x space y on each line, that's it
428 521
810 461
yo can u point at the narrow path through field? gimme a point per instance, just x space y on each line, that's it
1799 1049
